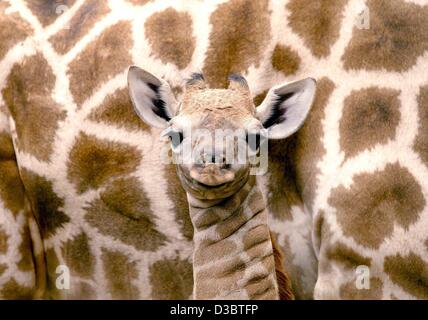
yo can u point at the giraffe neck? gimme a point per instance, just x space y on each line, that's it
233 255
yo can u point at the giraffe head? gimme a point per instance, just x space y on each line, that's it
214 132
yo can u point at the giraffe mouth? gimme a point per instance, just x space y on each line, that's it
207 186
222 190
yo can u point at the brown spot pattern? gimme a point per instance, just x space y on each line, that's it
11 188
258 99
370 116
26 262
3 241
368 210
101 60
171 279
47 11
117 109
84 19
11 290
45 203
35 113
170 35
3 268
346 257
317 22
120 272
409 272
78 256
240 32
123 212
285 59
12 29
421 141
395 39
349 291
282 193
93 161
309 147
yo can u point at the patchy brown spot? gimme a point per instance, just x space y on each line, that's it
396 38
177 91
120 272
6 147
25 262
282 193
171 279
35 113
123 212
317 22
240 33
170 35
84 19
421 141
346 257
179 199
48 11
349 291
100 61
94 161
45 203
285 59
12 30
3 241
3 268
410 272
309 147
258 99
78 256
374 203
117 109
370 116
11 290
11 188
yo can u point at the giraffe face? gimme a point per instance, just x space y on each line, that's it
217 133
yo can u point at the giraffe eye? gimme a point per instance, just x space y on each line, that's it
176 137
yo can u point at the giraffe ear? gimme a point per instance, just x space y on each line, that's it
286 107
151 97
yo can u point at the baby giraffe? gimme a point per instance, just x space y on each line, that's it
234 255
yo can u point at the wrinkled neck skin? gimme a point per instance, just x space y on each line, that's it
233 255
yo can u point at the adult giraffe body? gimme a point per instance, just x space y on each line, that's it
81 184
